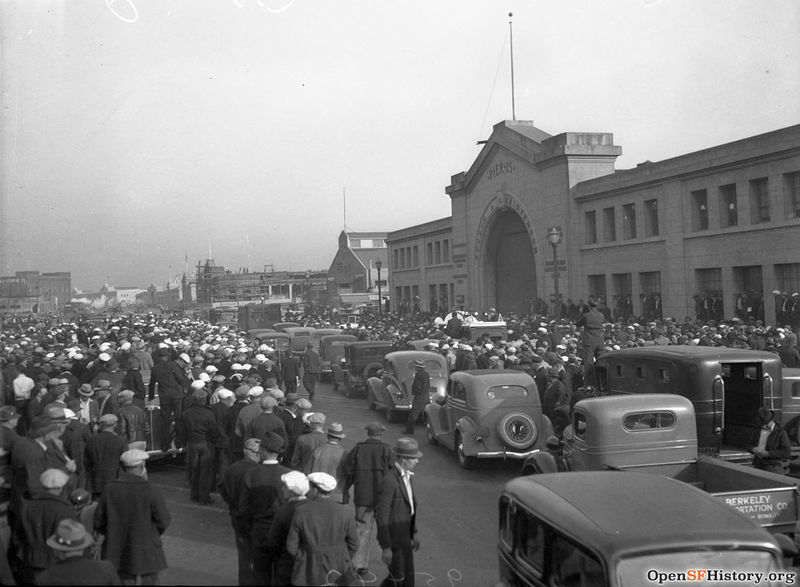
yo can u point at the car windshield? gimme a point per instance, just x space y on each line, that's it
653 569
506 392
434 368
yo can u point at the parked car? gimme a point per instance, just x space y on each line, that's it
362 360
279 341
256 332
281 326
331 351
488 413
299 336
656 434
391 391
320 333
423 344
608 529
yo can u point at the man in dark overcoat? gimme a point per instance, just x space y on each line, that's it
420 391
396 514
171 382
103 451
365 467
197 431
311 370
230 489
132 514
260 496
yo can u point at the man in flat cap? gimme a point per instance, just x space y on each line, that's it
40 517
396 514
295 489
103 451
260 495
308 442
230 490
322 537
365 467
132 515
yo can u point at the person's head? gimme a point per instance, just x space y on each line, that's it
418 364
133 462
125 397
53 481
200 397
302 406
375 429
102 389
268 403
70 539
108 422
295 485
765 417
272 446
9 417
316 421
335 432
271 383
42 429
323 483
407 452
80 498
252 449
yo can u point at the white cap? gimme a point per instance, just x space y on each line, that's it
185 358
104 357
198 384
256 391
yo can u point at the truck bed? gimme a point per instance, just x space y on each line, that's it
769 499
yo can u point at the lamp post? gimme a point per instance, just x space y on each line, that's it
554 238
378 264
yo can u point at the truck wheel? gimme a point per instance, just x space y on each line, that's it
463 460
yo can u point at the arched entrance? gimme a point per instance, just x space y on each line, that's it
509 264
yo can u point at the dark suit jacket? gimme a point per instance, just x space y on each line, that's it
396 524
79 571
102 458
259 498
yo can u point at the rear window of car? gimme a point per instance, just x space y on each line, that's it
506 392
648 421
433 368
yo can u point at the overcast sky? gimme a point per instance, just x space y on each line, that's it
136 131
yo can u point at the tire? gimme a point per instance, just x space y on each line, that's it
432 440
530 469
463 460
517 430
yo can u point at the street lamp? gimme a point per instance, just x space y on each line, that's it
554 238
378 264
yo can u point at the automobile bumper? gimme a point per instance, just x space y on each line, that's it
504 454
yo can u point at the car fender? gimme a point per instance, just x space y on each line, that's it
540 462
375 388
466 427
547 425
433 418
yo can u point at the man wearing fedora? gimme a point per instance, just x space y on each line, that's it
132 515
69 544
396 514
329 457
420 390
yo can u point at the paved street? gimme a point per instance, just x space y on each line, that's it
457 513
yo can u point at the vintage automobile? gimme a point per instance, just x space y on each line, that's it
281 326
319 333
256 332
391 392
656 433
609 529
475 331
331 351
299 336
279 341
423 344
362 360
726 386
488 413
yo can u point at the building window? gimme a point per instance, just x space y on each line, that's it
355 243
609 225
728 210
597 287
396 258
430 254
700 210
438 255
445 251
415 252
590 228
759 201
402 258
788 277
378 243
651 218
791 190
629 221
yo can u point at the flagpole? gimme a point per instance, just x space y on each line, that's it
511 42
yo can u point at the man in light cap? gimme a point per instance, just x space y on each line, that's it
365 467
103 451
260 496
322 538
308 442
197 431
230 489
295 489
132 514
267 421
39 519
396 514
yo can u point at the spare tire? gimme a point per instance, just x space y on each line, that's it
517 430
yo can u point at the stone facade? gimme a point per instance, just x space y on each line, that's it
718 227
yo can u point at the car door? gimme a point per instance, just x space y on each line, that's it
455 406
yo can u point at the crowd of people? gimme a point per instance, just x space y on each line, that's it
84 404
